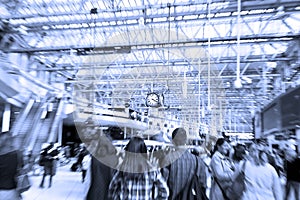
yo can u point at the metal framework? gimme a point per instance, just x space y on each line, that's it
120 50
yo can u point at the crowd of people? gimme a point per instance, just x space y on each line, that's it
267 173
169 173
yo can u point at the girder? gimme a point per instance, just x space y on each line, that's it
134 44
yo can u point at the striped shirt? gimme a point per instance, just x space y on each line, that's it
180 172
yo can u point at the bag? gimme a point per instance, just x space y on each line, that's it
74 167
235 191
23 183
194 191
237 188
42 160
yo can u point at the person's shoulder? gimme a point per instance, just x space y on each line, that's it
270 168
217 157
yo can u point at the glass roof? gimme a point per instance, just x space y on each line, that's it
198 42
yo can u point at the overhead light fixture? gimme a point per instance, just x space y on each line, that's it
238 83
141 21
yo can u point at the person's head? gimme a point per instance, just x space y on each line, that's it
239 151
135 160
253 150
258 155
253 153
105 147
263 157
179 136
290 154
136 145
222 146
262 144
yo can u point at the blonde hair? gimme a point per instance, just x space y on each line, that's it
257 156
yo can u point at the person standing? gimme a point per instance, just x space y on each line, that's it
183 165
222 169
50 156
261 179
136 178
292 175
104 161
10 160
86 163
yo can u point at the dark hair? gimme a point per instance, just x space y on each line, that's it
239 152
219 142
179 136
136 145
135 158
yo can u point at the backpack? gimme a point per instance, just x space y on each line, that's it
42 160
193 191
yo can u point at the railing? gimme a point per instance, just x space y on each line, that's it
57 119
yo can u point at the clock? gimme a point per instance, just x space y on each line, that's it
153 100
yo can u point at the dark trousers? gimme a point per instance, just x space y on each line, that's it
83 174
43 180
292 190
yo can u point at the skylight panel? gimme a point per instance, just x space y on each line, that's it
293 22
161 19
4 12
218 6
75 25
225 14
190 17
135 12
24 11
87 5
101 4
17 21
127 4
261 11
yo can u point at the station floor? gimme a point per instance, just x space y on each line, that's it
66 185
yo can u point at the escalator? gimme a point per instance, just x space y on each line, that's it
25 122
34 124
46 130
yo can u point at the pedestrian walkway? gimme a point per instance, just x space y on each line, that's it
66 185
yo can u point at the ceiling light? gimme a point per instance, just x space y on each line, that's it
238 83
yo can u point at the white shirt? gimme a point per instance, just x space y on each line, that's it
86 162
262 183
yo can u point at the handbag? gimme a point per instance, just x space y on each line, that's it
223 192
235 191
22 179
42 160
237 188
23 183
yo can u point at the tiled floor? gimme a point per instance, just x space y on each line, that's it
66 185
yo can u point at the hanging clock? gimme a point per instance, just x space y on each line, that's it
153 100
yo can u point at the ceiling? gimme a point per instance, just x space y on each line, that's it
190 51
